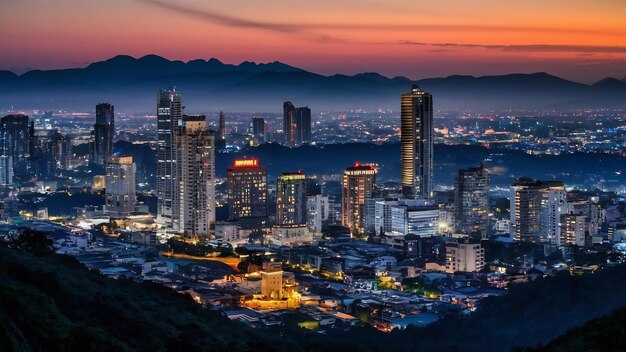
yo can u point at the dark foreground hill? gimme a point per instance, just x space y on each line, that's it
602 334
50 302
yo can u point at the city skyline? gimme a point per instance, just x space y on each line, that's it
397 38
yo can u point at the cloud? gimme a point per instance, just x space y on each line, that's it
556 48
309 28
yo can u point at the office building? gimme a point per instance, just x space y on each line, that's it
258 130
221 132
247 189
169 114
464 257
357 185
318 212
291 199
6 170
15 141
193 207
536 208
414 217
120 194
416 144
103 131
296 124
472 201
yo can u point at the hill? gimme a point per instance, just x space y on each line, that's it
53 303
607 333
210 85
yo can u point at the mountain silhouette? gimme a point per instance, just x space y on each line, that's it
210 85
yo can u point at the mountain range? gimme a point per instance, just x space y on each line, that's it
131 83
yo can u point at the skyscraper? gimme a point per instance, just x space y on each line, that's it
247 190
169 113
318 212
6 170
472 200
120 185
291 199
416 143
14 141
222 127
296 124
194 201
258 129
357 185
103 129
536 208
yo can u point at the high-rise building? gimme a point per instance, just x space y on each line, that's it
415 217
464 257
258 129
6 170
573 230
14 141
536 208
103 130
120 195
247 190
222 127
472 201
296 124
169 114
291 199
416 144
318 212
194 201
357 185
63 149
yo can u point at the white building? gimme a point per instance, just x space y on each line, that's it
120 185
194 199
421 220
465 257
318 211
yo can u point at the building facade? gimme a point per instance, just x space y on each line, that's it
15 141
247 190
291 199
536 208
296 124
103 131
169 114
357 185
416 144
318 212
120 193
464 257
472 201
194 201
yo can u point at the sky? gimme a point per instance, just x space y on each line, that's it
579 40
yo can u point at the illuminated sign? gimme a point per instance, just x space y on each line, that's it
246 162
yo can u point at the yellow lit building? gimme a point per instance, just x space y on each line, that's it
357 185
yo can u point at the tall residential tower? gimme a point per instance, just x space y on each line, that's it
416 144
169 114
103 130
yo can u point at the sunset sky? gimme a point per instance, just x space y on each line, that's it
579 40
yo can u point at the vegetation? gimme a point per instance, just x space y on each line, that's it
51 302
602 334
197 249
